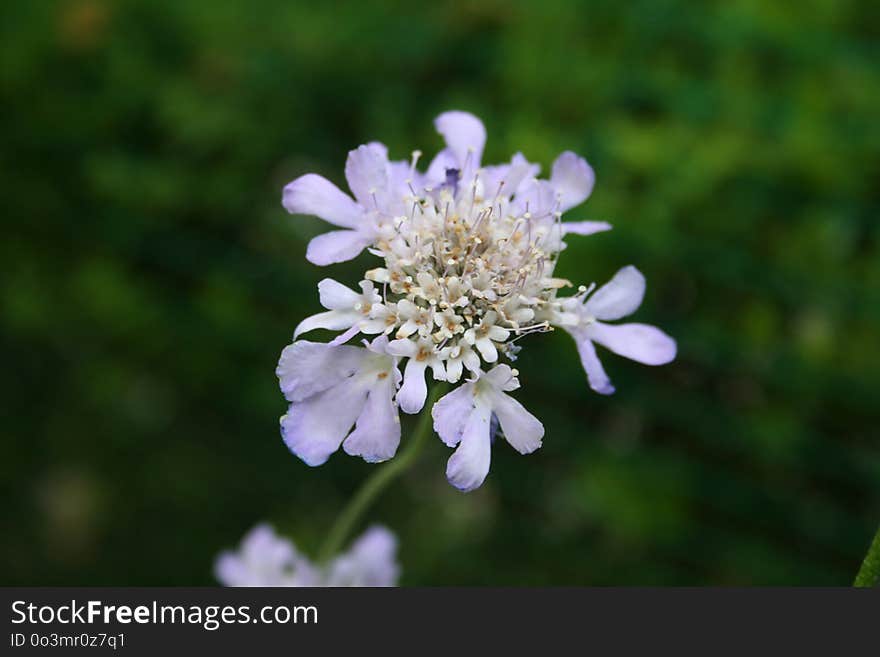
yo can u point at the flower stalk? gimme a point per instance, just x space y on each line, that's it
869 573
378 481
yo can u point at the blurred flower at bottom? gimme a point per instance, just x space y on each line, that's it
266 559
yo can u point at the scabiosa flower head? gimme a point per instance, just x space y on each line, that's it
468 256
266 559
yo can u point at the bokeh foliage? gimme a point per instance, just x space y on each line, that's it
151 278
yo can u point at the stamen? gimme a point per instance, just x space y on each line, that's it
497 194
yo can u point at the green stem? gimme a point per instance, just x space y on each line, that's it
378 480
869 573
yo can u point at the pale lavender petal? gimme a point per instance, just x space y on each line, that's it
521 429
379 345
380 148
502 378
377 433
464 133
487 349
230 570
469 464
366 170
640 342
412 394
401 176
314 195
402 348
342 338
584 227
314 428
307 368
492 176
376 550
619 297
332 320
263 545
520 171
451 412
599 381
453 370
335 296
472 361
512 175
538 198
438 370
337 246
573 180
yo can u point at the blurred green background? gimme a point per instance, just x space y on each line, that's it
151 278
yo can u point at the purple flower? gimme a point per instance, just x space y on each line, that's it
584 318
463 418
332 388
371 561
468 256
264 559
